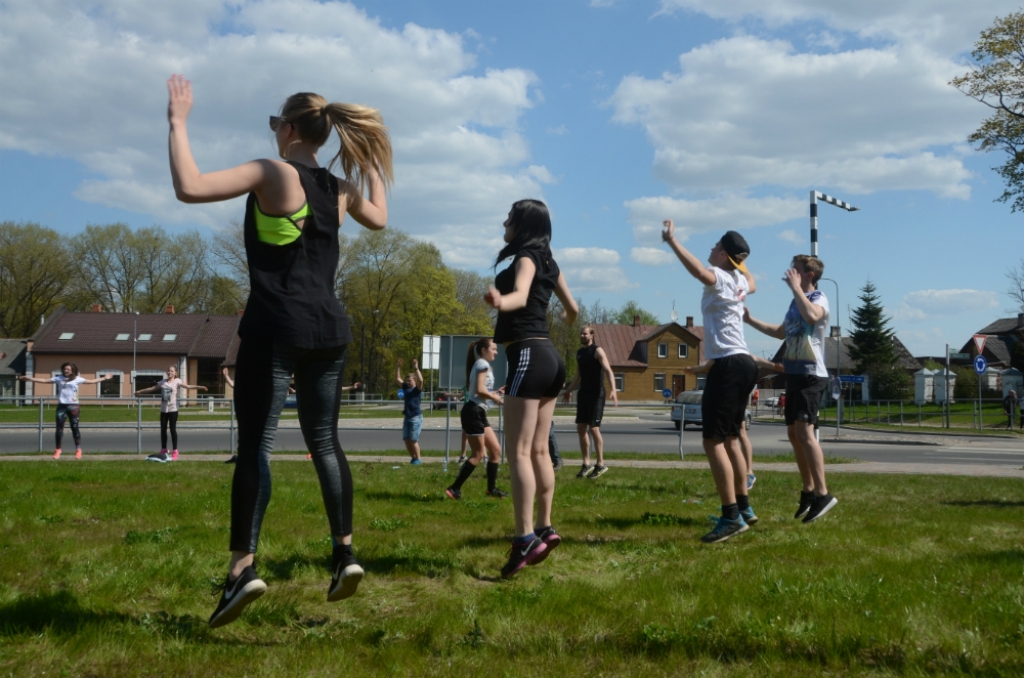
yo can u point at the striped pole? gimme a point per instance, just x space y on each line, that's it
815 196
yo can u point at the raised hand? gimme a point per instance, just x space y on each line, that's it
792 278
668 230
179 98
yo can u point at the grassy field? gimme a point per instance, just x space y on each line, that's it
107 569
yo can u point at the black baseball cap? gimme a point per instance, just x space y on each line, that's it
735 245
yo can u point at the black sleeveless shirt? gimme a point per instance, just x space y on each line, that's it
531 320
292 297
590 370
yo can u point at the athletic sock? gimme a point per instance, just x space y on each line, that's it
742 502
731 511
464 473
525 539
492 475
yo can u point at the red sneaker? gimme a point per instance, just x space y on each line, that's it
78 453
56 453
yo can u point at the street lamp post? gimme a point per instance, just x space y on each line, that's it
839 353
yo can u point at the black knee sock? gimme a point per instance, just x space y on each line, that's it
492 475
464 473
732 511
742 502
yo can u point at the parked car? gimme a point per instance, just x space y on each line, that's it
446 401
689 402
771 402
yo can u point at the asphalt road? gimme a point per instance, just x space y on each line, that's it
650 433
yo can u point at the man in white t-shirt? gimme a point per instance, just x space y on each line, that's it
732 377
804 361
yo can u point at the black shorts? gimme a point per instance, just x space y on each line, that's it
803 395
590 407
724 403
535 369
474 419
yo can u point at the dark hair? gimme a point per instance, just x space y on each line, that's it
74 369
473 354
532 224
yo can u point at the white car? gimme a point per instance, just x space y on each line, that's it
690 402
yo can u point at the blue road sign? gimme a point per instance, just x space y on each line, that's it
980 364
851 379
667 393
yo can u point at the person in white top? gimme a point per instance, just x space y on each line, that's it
168 389
480 396
727 283
803 328
68 409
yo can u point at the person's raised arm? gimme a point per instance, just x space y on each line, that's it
810 312
151 389
777 331
525 270
187 386
96 381
37 380
602 358
398 373
370 212
690 262
570 310
227 377
419 375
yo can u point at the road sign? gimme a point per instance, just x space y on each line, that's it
667 393
980 364
851 379
959 356
431 359
979 341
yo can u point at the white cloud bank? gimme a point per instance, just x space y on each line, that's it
708 216
924 304
651 256
87 82
593 269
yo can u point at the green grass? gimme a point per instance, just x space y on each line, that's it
106 569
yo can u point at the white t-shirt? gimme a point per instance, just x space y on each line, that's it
479 366
169 394
67 389
805 343
722 308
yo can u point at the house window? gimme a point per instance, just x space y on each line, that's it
620 382
145 337
111 388
64 336
122 337
684 350
170 337
659 382
662 350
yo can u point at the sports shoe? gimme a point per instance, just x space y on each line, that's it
160 456
453 493
496 493
550 539
724 529
748 515
461 461
309 455
557 464
585 470
174 456
521 555
597 472
78 453
236 595
347 574
751 479
56 453
805 504
232 460
819 507
415 462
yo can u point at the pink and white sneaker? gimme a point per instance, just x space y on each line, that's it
174 456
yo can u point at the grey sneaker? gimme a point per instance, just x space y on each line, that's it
597 472
585 470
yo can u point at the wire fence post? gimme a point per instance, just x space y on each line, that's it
138 407
40 425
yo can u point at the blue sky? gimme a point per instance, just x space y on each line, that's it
617 113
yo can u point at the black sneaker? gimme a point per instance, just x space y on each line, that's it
597 471
521 555
585 470
232 460
496 493
819 507
557 464
236 595
550 539
805 504
453 493
161 457
347 574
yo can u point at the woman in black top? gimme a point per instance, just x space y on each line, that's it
536 373
293 321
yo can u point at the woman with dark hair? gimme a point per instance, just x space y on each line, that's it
168 412
68 409
480 397
293 321
536 373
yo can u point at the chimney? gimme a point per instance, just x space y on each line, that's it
169 309
636 321
97 308
241 312
689 321
833 331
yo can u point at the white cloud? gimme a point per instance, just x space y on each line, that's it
651 256
602 3
923 304
593 269
88 84
789 235
702 216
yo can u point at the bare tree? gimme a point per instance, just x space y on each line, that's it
1016 290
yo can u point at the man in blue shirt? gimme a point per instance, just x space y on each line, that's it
412 388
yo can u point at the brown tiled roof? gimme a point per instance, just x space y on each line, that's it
14 361
232 357
215 336
626 345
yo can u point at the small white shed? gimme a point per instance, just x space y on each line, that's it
924 386
940 385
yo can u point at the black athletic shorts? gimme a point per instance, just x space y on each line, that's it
535 369
803 395
724 403
590 407
474 419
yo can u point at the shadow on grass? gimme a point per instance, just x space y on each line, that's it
1013 557
58 612
427 498
649 520
997 503
285 568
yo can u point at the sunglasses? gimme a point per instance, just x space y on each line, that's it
275 122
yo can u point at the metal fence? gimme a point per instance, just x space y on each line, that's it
972 414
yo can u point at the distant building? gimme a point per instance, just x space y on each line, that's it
1001 335
12 366
847 365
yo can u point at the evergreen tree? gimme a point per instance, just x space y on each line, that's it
871 338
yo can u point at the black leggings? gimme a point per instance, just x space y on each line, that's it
165 419
262 372
70 413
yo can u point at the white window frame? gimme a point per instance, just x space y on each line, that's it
620 382
684 350
145 373
656 375
663 349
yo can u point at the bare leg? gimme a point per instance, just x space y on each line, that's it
748 449
810 450
801 458
520 429
598 444
721 469
543 472
413 448
581 430
493 446
739 464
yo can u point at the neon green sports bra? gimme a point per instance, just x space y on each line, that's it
279 230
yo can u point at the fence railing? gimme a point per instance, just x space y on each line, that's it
973 414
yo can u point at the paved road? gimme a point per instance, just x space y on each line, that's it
647 433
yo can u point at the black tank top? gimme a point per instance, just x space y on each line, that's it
292 297
531 320
591 378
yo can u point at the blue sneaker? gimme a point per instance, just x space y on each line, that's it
724 529
748 515
415 462
751 479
